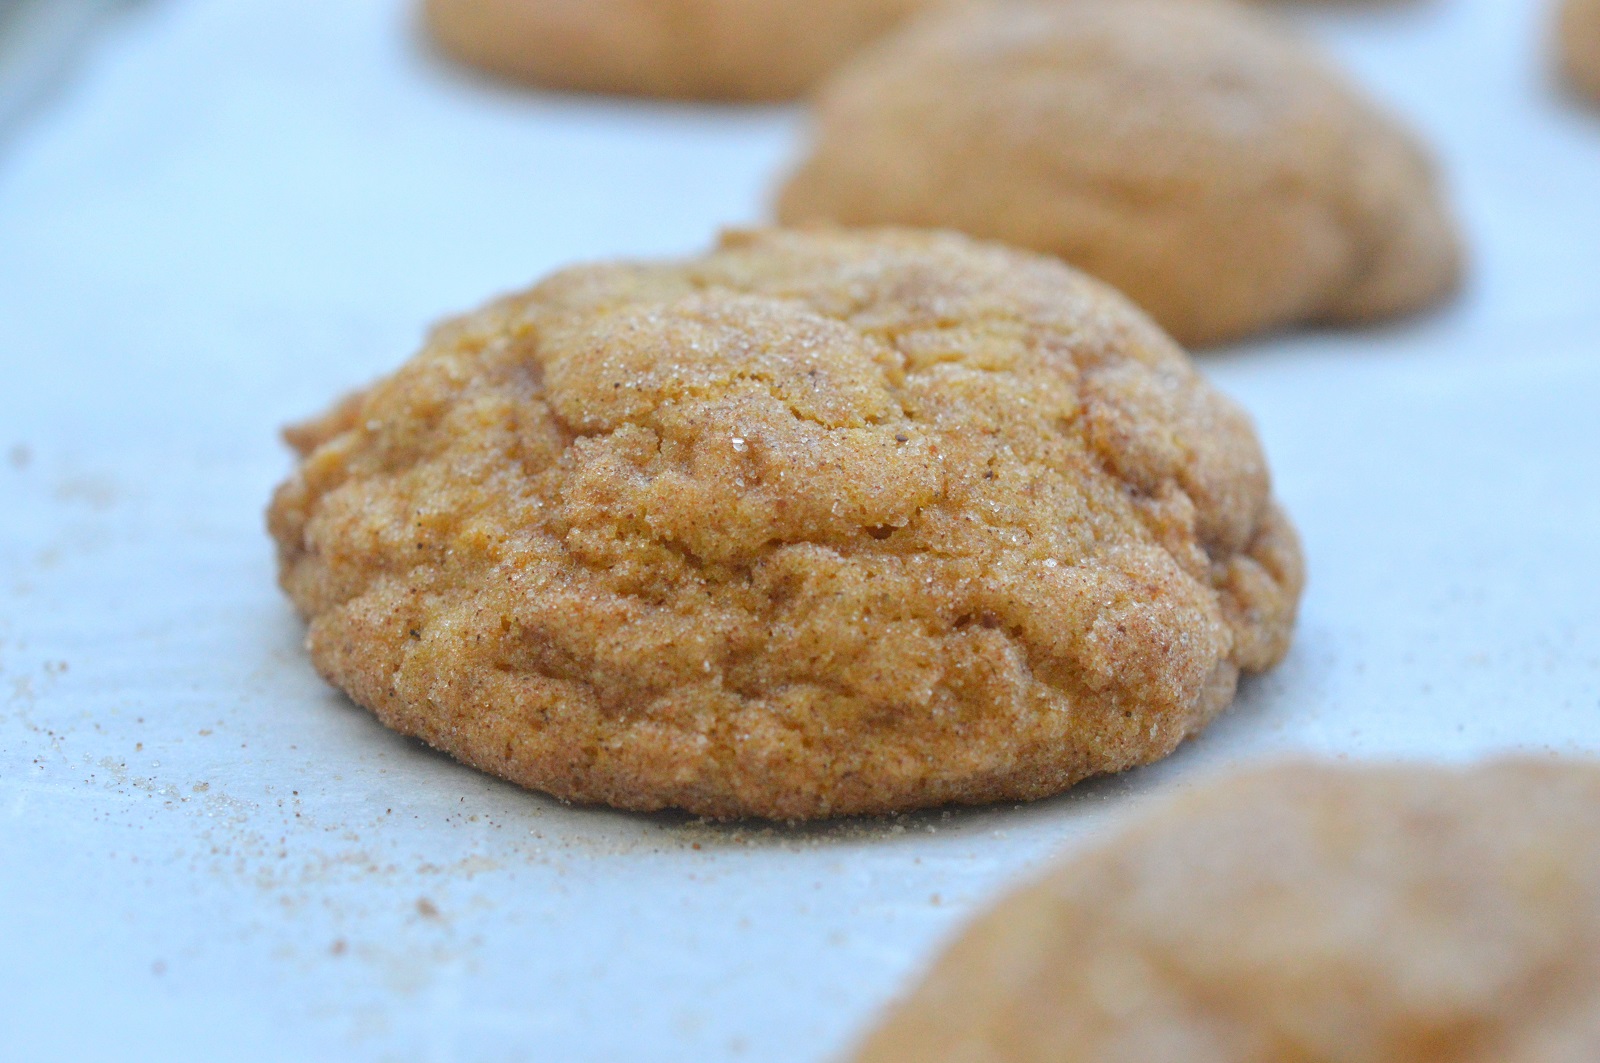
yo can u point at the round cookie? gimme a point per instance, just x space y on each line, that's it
816 524
1380 915
696 49
1580 46
1191 154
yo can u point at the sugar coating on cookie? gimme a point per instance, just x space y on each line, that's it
1580 45
1344 915
1194 155
818 523
696 49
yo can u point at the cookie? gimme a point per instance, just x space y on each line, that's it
696 49
819 523
1191 154
1375 915
1580 46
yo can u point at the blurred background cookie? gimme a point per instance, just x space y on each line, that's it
697 49
817 524
1580 45
1403 914
1193 154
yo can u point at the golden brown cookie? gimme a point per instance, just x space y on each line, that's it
1379 915
697 49
1191 154
1580 45
819 523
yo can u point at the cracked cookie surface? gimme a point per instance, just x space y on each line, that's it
1193 155
1403 914
819 523
691 49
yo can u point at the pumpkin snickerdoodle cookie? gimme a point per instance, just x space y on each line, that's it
697 49
819 523
1401 914
1192 154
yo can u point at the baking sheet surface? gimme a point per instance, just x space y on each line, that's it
241 208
